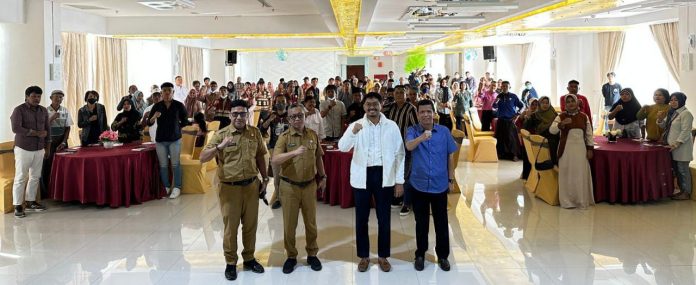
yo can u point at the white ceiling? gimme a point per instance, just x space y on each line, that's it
128 17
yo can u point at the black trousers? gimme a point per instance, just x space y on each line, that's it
363 200
423 205
47 165
445 120
486 119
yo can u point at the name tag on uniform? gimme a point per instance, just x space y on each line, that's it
291 144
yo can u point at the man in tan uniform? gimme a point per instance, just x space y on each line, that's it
240 151
298 156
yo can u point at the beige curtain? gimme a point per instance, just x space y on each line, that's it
667 38
110 78
190 64
75 77
610 49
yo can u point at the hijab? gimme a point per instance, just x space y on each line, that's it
133 115
630 108
681 99
577 108
545 117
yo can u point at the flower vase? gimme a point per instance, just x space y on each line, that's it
108 144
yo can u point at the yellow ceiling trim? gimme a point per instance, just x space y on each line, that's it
229 36
571 29
310 49
523 16
347 13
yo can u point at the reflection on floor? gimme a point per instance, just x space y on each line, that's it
498 236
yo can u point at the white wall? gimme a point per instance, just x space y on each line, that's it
22 61
372 67
76 21
149 62
253 66
687 26
576 57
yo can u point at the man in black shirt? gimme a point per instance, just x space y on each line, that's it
277 123
611 92
355 110
170 116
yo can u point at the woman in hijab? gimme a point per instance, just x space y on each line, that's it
192 103
677 124
649 114
543 119
574 151
527 121
127 123
624 113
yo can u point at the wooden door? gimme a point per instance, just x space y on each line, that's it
357 70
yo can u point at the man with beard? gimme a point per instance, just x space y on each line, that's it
376 171
240 152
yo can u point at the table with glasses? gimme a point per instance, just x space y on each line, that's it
630 171
120 176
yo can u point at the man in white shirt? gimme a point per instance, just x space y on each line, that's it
152 130
180 91
376 171
313 118
60 120
333 112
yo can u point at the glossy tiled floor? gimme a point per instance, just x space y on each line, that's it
498 236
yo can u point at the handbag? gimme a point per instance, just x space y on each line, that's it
544 165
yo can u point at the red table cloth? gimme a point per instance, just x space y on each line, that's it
629 171
337 167
115 177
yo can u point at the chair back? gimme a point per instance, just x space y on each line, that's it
469 129
475 119
188 141
7 160
213 126
547 188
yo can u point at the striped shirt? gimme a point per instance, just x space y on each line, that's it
404 116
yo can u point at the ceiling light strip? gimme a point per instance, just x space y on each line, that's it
229 36
347 13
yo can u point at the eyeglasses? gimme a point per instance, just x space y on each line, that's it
239 114
296 117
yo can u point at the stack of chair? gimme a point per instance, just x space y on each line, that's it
481 145
547 186
7 172
476 122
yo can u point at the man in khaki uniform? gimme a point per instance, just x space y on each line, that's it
240 151
298 156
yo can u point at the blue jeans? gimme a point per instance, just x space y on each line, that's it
681 170
167 151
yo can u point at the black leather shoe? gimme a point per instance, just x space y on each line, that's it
253 265
289 265
231 272
314 263
419 264
444 264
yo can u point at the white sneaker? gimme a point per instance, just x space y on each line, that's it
175 193
168 190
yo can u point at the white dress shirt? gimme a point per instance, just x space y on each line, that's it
180 93
152 129
379 144
316 123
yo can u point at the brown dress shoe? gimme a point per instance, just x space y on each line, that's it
384 264
363 264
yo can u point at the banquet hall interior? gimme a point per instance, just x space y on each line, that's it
108 222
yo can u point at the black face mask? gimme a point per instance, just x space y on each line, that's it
91 100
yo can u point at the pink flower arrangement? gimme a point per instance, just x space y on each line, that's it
108 136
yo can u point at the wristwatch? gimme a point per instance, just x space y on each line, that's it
451 180
323 176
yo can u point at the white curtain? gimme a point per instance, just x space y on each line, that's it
190 64
610 49
110 77
527 52
75 77
667 38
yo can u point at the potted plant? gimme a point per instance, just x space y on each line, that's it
108 138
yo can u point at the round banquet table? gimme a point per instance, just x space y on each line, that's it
115 177
337 167
630 172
